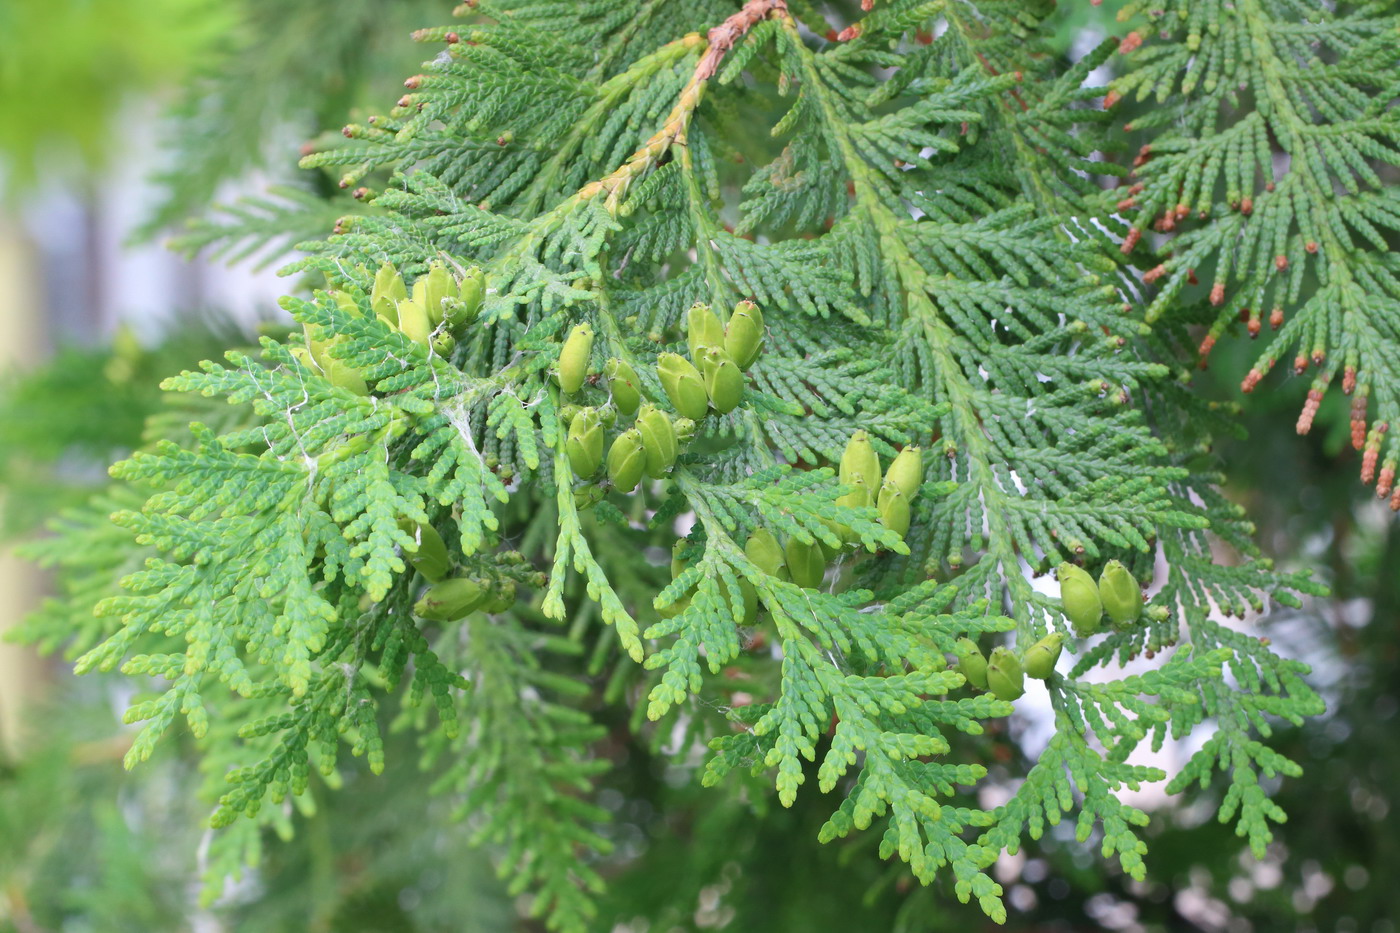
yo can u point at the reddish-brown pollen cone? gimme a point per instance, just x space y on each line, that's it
1309 412
1217 294
1130 241
1131 43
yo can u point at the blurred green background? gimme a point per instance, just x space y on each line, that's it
123 120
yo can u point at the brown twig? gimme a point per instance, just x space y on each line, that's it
719 41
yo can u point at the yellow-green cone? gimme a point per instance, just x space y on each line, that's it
438 286
702 329
386 294
1079 596
627 458
430 559
464 309
1005 678
450 600
805 563
763 549
623 384
584 444
972 664
1121 595
743 336
683 386
345 376
860 459
685 430
894 508
658 440
907 471
1040 658
413 321
573 359
724 381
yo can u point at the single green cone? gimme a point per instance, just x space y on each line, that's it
860 459
1079 596
462 310
573 359
702 329
438 286
584 445
430 559
450 600
1039 661
724 381
658 440
972 664
386 294
907 471
1004 675
743 336
623 384
805 563
1121 595
763 549
413 321
683 386
685 430
627 459
894 508
585 497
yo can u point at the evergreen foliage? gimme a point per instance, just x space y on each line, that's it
909 203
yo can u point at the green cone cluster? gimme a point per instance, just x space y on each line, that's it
892 492
1005 673
1085 602
440 305
711 379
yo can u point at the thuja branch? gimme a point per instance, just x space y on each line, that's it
719 41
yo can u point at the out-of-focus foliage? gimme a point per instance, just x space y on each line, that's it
67 66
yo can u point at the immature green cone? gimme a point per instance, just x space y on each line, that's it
444 343
345 376
743 336
346 303
584 444
724 381
702 330
972 664
860 459
894 508
431 558
1079 596
623 384
1121 595
573 359
685 430
763 549
907 471
585 497
677 564
1040 658
805 563
1005 678
413 321
450 600
466 306
387 292
747 595
501 598
857 498
683 386
658 440
438 286
627 458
